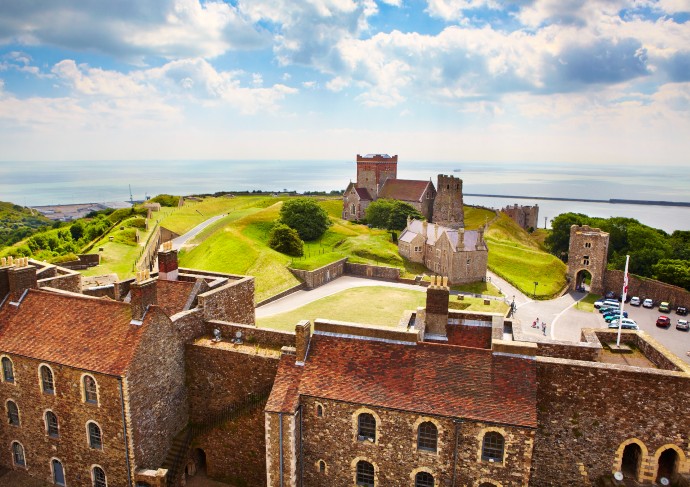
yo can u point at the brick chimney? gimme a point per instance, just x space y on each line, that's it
143 294
437 295
20 277
302 338
167 263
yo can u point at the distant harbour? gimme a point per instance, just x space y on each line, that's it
610 200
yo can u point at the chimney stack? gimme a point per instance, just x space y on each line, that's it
143 295
20 276
302 338
167 263
437 295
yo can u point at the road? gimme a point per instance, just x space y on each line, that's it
180 241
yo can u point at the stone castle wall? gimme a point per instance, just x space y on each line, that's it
322 275
71 447
587 411
647 288
232 302
372 271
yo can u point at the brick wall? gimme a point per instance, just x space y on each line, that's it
322 275
232 302
586 411
372 271
71 447
647 288
156 391
218 377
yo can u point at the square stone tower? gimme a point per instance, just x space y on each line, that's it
587 254
374 169
448 210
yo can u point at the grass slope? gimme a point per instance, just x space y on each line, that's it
516 257
18 222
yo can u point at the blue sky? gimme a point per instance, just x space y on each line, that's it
586 81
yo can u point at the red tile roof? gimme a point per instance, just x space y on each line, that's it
284 394
403 189
363 194
172 296
81 332
426 378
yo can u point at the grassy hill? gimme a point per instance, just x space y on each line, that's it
18 222
518 258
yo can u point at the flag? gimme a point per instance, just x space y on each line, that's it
625 283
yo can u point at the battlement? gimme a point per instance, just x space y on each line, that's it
377 158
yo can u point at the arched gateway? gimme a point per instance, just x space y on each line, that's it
587 255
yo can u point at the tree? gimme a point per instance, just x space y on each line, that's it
378 212
77 230
285 240
673 271
397 220
305 216
558 240
390 214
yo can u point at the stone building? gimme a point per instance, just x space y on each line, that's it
448 205
587 258
525 216
377 177
460 254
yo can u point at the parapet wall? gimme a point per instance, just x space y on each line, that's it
647 288
372 271
322 275
232 302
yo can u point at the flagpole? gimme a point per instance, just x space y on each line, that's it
625 293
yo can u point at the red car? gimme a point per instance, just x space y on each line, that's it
663 321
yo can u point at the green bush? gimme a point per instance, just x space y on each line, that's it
305 216
166 200
286 240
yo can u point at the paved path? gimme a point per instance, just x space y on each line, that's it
180 241
300 298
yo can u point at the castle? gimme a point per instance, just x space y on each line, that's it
525 216
145 382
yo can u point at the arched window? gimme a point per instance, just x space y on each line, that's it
492 447
322 466
365 474
423 479
95 440
98 476
18 454
12 413
58 472
319 410
366 427
427 436
52 424
47 383
7 370
90 390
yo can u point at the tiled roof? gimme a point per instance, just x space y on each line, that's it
403 189
470 237
425 378
284 394
172 296
363 194
86 333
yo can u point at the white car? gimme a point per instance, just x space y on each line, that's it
635 301
626 324
647 303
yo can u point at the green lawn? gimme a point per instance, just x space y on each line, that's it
587 303
516 257
476 217
478 288
384 307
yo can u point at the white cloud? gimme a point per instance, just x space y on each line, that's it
450 10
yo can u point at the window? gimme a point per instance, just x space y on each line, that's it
492 447
366 427
47 383
585 260
7 370
52 424
95 440
90 391
18 454
588 245
322 466
417 249
58 472
12 413
427 436
319 410
423 479
365 474
98 476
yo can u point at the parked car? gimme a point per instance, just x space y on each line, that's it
681 310
609 309
626 324
664 307
606 302
610 295
609 317
647 303
663 321
635 301
682 325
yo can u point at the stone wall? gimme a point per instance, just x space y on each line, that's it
581 351
156 391
218 376
67 282
322 275
252 334
71 446
191 324
587 411
649 347
232 302
84 261
332 438
278 296
647 288
372 271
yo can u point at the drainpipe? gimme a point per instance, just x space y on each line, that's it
280 442
457 422
124 428
301 458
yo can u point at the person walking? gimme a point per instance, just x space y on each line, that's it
543 327
535 323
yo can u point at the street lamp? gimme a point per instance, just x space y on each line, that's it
534 294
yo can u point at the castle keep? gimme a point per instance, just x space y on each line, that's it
147 381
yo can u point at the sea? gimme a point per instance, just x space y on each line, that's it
69 182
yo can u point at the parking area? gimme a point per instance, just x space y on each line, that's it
676 341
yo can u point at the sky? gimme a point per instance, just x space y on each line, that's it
569 81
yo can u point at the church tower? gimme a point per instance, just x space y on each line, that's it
373 170
448 210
